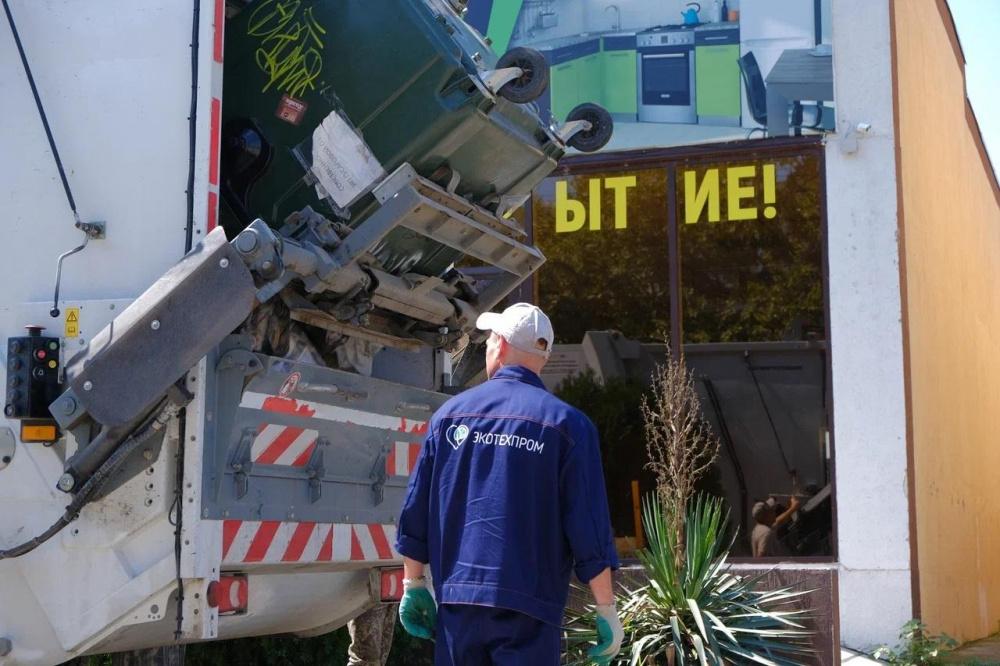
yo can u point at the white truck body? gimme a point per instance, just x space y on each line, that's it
115 77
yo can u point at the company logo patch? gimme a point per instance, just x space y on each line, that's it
456 435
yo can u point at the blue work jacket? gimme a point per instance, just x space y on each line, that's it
508 498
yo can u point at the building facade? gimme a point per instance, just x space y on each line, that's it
832 292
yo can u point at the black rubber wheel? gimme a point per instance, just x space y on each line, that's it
601 127
532 83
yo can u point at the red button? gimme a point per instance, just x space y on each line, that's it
40 354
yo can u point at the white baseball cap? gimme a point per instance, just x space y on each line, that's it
523 325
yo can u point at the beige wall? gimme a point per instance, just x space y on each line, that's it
950 224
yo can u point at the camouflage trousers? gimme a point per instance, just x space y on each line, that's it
371 636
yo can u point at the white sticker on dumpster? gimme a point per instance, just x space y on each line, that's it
342 162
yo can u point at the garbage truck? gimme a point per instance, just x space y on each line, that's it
245 247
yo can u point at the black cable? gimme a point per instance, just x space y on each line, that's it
192 128
41 112
178 524
188 243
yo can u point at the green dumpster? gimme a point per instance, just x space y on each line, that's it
407 75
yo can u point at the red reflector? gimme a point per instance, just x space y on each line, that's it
230 594
392 584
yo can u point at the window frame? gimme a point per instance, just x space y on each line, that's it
669 159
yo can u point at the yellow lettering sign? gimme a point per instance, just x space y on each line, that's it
695 196
769 198
741 185
572 215
595 203
737 192
619 185
72 324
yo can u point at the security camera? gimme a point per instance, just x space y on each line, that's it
864 128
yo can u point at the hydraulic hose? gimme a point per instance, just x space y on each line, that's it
96 482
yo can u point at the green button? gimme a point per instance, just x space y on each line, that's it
53 345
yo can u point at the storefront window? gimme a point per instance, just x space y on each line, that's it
742 235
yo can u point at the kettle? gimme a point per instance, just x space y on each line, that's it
691 14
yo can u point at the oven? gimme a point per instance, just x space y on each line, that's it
665 65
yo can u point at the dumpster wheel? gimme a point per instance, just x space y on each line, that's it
533 82
601 127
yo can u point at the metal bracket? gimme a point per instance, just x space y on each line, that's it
240 359
495 79
567 130
8 445
241 464
94 230
378 474
316 471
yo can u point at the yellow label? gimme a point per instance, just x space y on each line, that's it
72 323
740 197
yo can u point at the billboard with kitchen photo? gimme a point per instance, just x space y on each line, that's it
672 72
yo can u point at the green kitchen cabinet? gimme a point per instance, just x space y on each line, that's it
717 80
620 92
564 87
591 79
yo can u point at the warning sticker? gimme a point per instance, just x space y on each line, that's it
291 110
72 329
342 162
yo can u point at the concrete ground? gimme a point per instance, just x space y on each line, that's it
981 653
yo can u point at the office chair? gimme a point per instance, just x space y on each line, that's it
756 90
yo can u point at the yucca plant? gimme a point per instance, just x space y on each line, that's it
699 613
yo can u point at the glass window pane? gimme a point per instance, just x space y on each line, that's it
604 236
753 321
750 250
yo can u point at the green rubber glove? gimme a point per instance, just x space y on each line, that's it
609 634
417 611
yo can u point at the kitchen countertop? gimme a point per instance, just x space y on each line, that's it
561 49
725 25
573 40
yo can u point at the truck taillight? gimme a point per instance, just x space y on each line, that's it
230 594
392 584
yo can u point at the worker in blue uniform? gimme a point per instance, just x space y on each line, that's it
506 501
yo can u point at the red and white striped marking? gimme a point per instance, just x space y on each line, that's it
402 459
274 541
215 119
283 445
293 446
